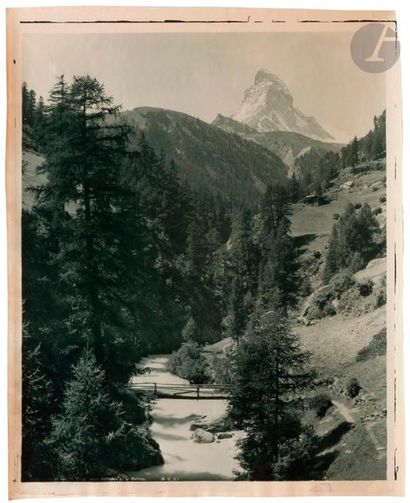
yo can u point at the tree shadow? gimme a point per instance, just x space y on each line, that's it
170 421
334 436
322 460
169 436
302 241
322 463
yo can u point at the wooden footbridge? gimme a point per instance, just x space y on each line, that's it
183 391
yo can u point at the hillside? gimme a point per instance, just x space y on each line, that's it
287 145
312 225
335 341
208 157
342 346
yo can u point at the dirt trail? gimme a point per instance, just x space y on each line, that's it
344 410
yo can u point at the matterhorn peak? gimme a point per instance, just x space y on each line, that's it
268 106
266 76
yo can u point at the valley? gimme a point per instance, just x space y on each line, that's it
248 254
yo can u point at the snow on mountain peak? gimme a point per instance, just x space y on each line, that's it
268 106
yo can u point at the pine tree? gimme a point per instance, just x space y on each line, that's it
245 254
367 228
332 257
318 188
37 402
93 246
197 248
295 189
237 309
89 421
275 211
353 242
192 333
29 105
278 265
39 122
355 151
269 368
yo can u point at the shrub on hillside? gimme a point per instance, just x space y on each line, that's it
305 287
336 216
351 303
322 296
357 263
192 333
329 310
353 241
353 387
382 199
320 403
376 347
381 292
365 287
364 297
341 282
320 304
189 363
220 369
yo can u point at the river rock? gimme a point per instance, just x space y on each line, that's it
221 436
202 437
219 424
195 426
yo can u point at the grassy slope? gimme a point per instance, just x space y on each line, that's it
359 450
318 221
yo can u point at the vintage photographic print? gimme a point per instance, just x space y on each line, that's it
205 252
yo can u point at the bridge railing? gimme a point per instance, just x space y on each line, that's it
177 385
178 390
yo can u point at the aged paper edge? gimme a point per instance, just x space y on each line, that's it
134 19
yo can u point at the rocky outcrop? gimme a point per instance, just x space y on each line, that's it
135 449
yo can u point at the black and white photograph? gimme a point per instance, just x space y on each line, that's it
204 253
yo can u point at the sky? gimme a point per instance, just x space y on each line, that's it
204 74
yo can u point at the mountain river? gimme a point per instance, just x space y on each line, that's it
184 458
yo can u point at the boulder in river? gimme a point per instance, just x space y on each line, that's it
195 426
202 437
214 425
221 436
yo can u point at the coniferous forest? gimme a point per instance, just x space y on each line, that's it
123 257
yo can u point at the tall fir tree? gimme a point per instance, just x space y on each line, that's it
355 151
83 433
269 368
278 264
86 202
37 406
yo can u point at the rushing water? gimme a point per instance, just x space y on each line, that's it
184 458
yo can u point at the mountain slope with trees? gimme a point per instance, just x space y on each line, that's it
206 157
287 145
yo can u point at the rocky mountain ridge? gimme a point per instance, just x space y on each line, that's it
268 106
